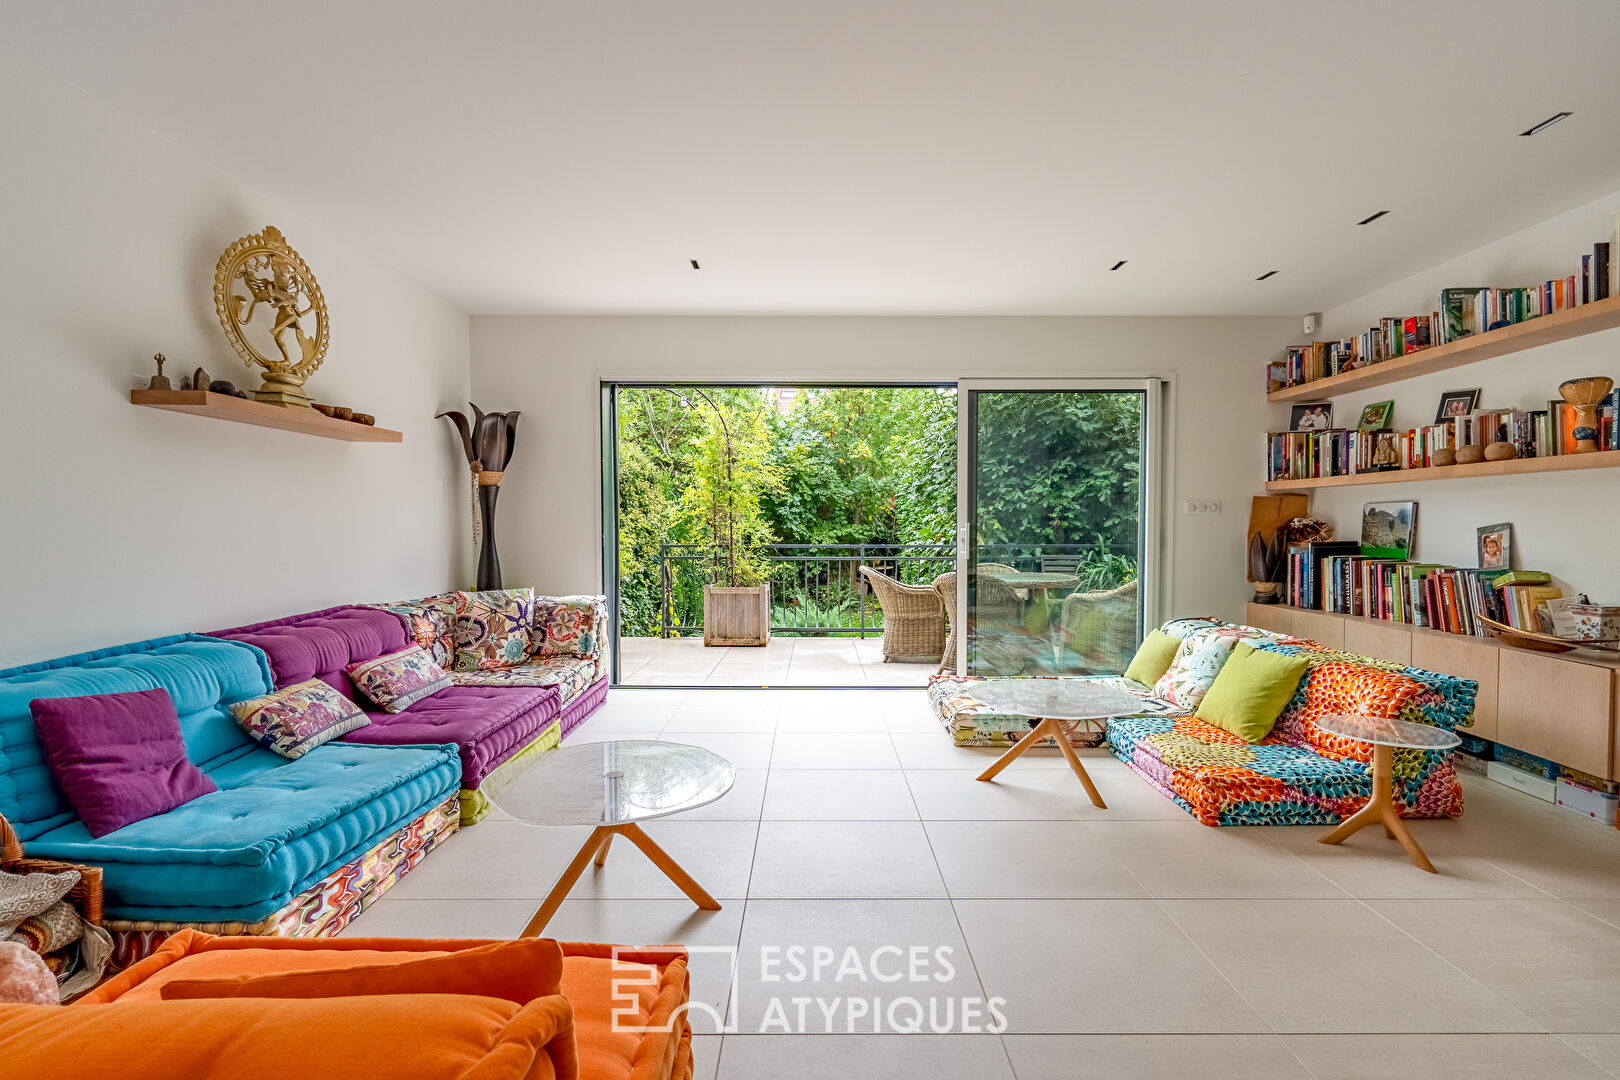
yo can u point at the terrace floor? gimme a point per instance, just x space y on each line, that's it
786 661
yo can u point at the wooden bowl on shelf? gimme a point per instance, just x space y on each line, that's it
1530 639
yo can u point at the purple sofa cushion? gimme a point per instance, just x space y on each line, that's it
117 758
589 700
320 644
488 724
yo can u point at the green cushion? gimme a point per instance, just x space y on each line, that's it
1251 691
1153 659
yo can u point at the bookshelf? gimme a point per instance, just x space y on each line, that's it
1559 706
1601 459
1560 326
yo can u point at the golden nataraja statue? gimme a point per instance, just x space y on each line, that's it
278 281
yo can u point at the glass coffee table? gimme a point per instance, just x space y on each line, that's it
612 786
1044 702
1385 736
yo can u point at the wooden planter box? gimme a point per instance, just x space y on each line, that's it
736 616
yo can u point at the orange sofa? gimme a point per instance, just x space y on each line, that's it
256 1008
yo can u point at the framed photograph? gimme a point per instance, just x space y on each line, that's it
1389 530
1496 546
1455 403
1315 417
1386 452
1375 417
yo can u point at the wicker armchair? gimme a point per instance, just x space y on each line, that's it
1100 627
913 621
945 587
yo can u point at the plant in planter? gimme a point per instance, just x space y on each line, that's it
722 511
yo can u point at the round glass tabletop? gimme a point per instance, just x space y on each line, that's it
1032 579
1402 733
1057 699
611 783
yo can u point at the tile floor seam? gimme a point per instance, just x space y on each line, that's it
1210 960
1583 1055
1436 954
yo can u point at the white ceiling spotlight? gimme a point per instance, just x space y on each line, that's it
1545 124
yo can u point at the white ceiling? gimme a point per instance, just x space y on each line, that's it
911 156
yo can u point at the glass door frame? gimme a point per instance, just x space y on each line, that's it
1153 556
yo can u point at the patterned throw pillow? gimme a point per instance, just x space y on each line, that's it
492 628
1198 660
298 718
431 623
399 680
568 625
1346 689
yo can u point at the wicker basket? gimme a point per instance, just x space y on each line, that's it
85 896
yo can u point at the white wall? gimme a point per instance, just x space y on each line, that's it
552 366
1563 523
120 523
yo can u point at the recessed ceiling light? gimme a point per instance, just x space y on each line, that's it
1545 124
695 266
1117 265
1372 218
1265 275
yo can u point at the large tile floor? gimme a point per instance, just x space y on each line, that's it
1127 942
785 661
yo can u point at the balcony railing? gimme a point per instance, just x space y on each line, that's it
818 589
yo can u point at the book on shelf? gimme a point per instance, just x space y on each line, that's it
1428 595
1534 433
1460 312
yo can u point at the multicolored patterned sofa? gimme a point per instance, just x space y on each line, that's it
1297 775
563 642
500 726
284 847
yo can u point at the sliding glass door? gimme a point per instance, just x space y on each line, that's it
1056 525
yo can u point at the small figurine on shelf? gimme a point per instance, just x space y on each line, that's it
159 381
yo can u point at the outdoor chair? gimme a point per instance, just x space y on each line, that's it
913 621
1100 627
945 587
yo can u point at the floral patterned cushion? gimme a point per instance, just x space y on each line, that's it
398 680
492 628
569 674
296 719
1198 660
568 625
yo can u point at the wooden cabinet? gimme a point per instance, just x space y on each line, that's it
1559 709
1273 617
1466 658
1382 641
1319 626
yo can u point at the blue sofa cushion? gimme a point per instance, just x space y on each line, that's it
201 674
274 829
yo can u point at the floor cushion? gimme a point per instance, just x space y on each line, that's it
486 724
971 722
274 828
570 675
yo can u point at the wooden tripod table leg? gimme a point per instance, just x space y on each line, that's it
601 852
559 892
1380 810
1048 727
670 867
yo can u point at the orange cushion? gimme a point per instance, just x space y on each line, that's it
517 971
403 1037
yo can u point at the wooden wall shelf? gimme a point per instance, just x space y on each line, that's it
1601 459
247 411
1560 326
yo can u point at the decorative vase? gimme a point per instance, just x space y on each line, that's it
1585 395
1265 592
489 559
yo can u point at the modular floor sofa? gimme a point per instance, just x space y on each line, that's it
524 1010
286 847
1297 775
289 847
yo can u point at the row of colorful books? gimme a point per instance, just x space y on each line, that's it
1461 312
1549 432
1429 595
